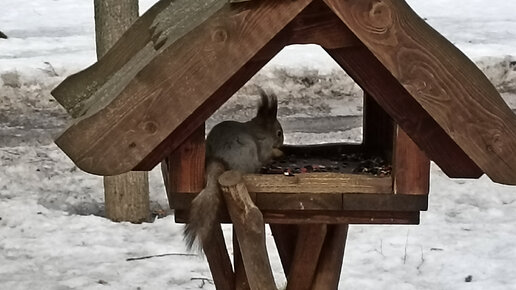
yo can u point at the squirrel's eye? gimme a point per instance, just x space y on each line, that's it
279 133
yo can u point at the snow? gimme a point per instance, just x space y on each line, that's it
53 236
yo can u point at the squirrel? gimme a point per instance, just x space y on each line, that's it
233 145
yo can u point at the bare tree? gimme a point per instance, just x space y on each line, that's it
126 195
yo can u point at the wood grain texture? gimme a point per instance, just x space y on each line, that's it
126 197
310 240
328 217
241 282
158 96
314 183
186 164
342 217
112 19
330 261
443 81
285 237
183 170
317 24
299 201
167 19
379 83
216 100
250 231
218 260
411 169
325 201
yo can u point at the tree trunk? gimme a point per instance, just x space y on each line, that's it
126 195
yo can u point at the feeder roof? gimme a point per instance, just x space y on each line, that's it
183 59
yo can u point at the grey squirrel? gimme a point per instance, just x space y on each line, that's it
232 145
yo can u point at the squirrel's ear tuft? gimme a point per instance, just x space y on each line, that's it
268 108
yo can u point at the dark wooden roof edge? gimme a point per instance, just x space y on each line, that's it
160 26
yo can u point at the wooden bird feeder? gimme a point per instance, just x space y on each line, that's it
147 100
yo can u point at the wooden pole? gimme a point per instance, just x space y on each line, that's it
126 195
250 231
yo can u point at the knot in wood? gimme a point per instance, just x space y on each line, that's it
495 145
219 34
380 16
150 127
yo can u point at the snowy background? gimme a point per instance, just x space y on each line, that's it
53 235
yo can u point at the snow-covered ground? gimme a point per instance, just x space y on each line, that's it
52 235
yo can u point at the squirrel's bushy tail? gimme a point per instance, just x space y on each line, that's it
205 208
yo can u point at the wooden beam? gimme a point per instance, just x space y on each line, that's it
150 100
184 168
135 49
241 282
250 231
216 100
314 183
329 217
317 24
285 237
326 201
411 167
218 260
331 258
379 83
309 243
341 217
443 81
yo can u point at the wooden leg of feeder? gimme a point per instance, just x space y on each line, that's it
250 231
310 240
241 282
218 259
285 237
330 260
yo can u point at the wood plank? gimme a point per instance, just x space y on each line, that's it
309 243
411 168
166 20
142 114
299 201
241 282
185 166
285 237
336 202
250 231
215 101
218 260
443 81
341 217
317 24
329 217
326 202
331 259
318 182
378 82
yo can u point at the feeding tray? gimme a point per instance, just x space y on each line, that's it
331 183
